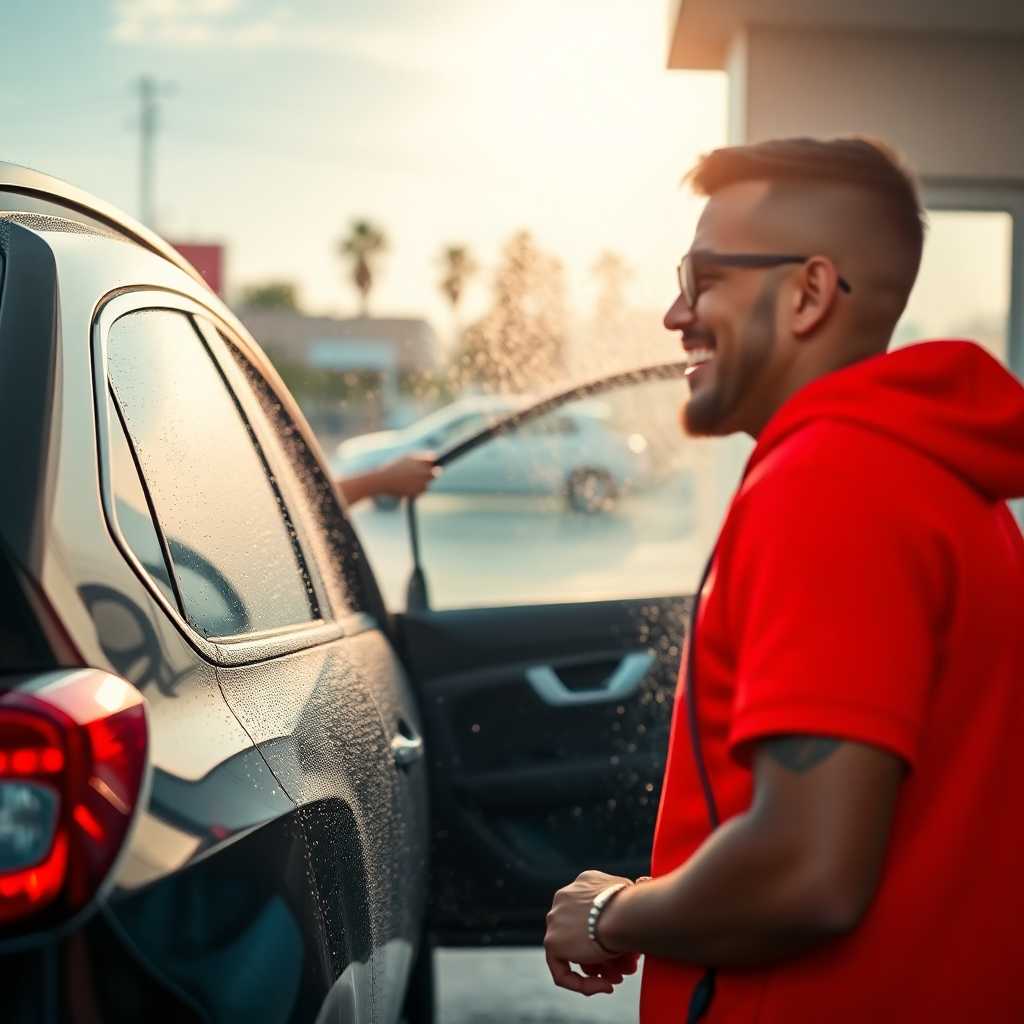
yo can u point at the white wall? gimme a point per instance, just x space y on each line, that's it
953 106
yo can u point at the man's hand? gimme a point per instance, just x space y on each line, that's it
409 476
566 941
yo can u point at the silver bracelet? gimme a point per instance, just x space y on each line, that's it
597 905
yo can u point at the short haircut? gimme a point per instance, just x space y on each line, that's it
860 162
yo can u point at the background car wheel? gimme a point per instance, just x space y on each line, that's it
385 502
591 490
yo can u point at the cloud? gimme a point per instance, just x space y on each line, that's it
242 25
176 22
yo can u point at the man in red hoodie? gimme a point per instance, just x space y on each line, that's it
840 836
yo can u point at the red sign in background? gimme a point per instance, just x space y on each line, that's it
207 259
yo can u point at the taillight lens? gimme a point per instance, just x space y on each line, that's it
72 767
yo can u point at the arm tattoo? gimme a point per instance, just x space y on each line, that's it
801 753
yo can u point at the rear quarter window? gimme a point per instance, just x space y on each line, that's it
334 543
235 557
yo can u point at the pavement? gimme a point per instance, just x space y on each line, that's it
515 549
513 986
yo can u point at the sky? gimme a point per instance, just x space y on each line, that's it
454 121
445 122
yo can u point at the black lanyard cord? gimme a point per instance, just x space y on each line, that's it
691 701
704 992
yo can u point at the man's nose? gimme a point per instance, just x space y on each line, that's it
679 315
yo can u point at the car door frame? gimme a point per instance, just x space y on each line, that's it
221 650
461 664
417 591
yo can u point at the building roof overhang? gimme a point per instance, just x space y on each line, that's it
700 31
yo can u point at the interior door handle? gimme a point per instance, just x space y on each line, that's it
620 685
406 750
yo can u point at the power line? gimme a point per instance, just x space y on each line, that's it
150 91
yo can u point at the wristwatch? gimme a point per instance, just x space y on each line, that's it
597 905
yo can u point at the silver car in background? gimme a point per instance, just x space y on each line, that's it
577 452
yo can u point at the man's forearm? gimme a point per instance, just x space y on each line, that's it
743 899
355 488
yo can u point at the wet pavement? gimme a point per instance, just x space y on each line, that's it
513 986
503 549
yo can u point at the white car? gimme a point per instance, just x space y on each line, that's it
576 452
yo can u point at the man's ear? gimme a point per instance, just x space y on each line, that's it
817 286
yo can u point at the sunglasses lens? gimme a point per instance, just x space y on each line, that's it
686 284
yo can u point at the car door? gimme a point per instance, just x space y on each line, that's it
264 583
380 793
545 643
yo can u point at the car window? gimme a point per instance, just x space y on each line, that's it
234 553
132 511
625 506
332 544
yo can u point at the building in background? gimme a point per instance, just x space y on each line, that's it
350 375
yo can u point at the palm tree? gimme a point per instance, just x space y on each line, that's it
459 267
365 242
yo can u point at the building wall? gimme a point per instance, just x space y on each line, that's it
950 104
288 335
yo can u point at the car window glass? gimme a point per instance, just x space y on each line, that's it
332 545
619 506
132 510
235 556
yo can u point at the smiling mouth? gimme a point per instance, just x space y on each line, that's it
699 356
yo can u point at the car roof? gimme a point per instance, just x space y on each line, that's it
27 191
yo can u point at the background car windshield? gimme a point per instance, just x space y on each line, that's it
444 427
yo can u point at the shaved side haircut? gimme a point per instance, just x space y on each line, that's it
887 216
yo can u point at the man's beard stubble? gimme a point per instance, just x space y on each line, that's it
710 411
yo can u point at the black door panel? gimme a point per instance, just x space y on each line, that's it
527 792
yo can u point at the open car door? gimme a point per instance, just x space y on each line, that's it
543 629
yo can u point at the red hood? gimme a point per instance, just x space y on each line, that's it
948 399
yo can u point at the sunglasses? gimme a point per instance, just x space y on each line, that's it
694 262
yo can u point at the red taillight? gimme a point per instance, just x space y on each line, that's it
72 765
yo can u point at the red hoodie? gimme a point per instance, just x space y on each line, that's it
869 584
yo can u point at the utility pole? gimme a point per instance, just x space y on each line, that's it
149 95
